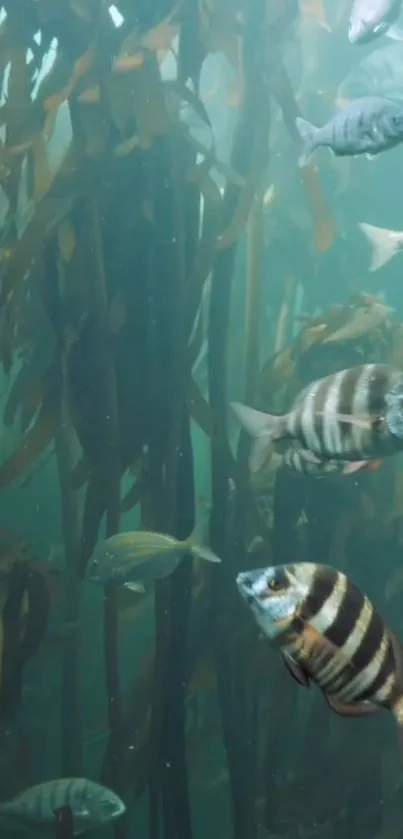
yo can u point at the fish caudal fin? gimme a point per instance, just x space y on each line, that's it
265 428
385 243
195 544
308 134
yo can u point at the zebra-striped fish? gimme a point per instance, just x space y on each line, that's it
328 632
354 415
91 804
365 126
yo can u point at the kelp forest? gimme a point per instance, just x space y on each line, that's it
151 271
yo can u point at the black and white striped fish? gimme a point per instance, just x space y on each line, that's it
354 415
329 633
365 126
91 804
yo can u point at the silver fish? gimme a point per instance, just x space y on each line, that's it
366 126
354 415
329 633
385 243
378 74
91 804
371 18
140 556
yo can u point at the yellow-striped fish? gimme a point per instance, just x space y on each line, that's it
140 556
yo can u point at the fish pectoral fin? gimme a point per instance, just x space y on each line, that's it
354 466
349 419
296 671
309 457
356 709
81 811
138 587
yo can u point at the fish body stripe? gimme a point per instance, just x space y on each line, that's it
365 678
308 414
358 663
332 439
359 393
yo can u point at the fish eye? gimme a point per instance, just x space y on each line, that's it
274 585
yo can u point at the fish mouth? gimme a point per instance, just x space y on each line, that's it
252 586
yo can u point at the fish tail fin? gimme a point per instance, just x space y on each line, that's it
398 715
384 244
196 546
308 134
264 428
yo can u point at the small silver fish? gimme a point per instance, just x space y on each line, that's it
354 415
140 556
385 243
91 804
330 634
371 18
366 126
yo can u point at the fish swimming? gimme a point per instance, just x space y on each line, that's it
140 556
378 74
91 804
368 126
385 243
354 415
329 633
371 18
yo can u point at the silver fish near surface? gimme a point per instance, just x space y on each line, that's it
385 244
371 18
137 557
329 633
354 415
378 74
368 126
91 804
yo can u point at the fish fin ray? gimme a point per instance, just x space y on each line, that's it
196 545
384 244
264 428
308 134
138 587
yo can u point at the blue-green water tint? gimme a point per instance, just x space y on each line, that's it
98 281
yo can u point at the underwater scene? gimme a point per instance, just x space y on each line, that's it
201 403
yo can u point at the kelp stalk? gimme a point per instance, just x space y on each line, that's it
64 823
111 470
171 485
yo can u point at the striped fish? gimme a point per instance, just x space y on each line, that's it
329 633
368 126
91 804
354 415
137 557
